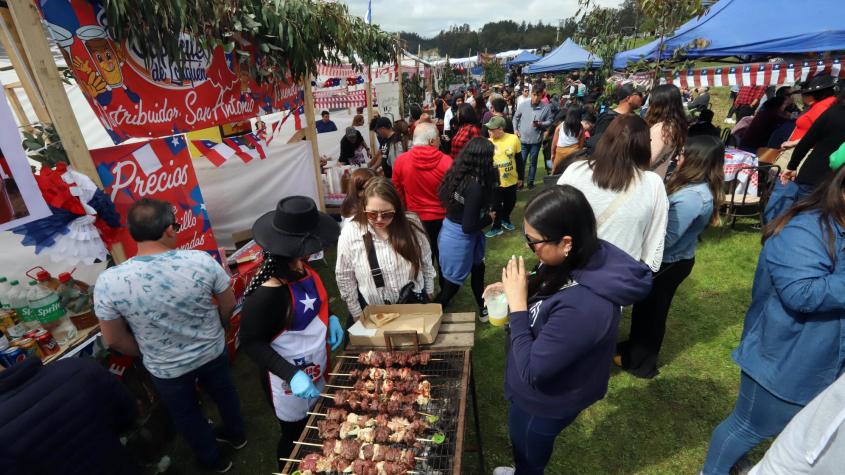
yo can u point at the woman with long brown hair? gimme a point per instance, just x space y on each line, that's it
354 189
384 253
793 340
629 201
669 126
695 196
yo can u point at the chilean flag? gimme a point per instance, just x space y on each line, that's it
216 153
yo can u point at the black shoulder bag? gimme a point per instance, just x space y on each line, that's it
406 294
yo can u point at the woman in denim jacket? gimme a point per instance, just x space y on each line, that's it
695 195
793 342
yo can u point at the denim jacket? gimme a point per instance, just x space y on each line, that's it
690 209
793 341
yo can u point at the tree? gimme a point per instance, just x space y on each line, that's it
600 31
668 15
494 73
292 37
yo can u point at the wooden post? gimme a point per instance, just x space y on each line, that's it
26 21
12 44
373 142
311 134
17 108
28 25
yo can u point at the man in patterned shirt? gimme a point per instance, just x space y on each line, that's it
169 307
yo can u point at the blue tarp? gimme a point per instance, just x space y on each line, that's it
523 58
755 28
565 57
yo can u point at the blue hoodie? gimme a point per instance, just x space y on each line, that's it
561 348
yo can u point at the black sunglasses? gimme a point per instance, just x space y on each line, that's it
532 244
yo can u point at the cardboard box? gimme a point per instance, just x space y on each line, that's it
424 319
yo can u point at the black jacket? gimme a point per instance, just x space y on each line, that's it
63 418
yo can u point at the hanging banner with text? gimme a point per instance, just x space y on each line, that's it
134 96
160 169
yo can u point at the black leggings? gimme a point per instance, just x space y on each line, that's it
290 434
504 199
648 320
432 229
449 289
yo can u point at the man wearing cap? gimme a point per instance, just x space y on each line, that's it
505 159
390 146
628 100
819 94
325 124
176 304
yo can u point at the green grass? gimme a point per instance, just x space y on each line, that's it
659 426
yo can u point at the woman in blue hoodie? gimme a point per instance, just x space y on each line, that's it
563 322
793 340
695 196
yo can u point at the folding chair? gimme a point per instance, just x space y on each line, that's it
739 203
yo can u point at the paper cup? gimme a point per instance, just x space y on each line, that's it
497 308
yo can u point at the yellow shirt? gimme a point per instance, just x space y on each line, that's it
505 159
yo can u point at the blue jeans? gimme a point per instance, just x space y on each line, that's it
530 152
757 416
181 398
533 439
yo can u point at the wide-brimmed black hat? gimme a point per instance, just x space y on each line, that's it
819 83
295 229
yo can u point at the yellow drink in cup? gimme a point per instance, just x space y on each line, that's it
497 307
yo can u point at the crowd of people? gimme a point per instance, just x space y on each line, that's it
619 226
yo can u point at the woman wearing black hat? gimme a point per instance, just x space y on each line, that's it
286 322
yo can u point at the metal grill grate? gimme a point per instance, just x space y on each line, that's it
448 378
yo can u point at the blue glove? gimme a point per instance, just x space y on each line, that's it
303 386
335 332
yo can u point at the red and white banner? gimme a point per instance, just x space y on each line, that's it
758 74
341 99
160 169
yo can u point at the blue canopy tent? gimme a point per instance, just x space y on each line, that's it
523 58
632 56
725 31
566 57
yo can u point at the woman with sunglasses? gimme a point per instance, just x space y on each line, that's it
382 251
563 322
695 196
467 195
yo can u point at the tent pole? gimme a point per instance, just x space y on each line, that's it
12 44
311 134
373 143
27 22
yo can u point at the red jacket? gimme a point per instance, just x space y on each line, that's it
417 175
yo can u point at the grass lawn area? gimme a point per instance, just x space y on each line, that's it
661 426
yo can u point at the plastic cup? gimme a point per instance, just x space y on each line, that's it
497 307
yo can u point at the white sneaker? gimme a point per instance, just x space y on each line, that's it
730 121
504 471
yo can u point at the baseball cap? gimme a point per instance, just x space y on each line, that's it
351 132
496 122
382 123
625 91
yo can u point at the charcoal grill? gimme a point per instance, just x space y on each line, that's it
450 383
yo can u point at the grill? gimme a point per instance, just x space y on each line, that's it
449 380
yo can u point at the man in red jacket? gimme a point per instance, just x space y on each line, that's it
417 175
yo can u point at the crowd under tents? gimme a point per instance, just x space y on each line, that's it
749 28
566 57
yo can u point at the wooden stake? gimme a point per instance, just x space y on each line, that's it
11 42
317 414
373 141
311 134
309 444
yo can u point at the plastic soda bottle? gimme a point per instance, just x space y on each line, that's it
20 304
46 308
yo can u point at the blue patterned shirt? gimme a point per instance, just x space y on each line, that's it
167 301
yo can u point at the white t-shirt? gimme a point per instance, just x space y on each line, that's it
564 139
447 118
520 99
167 301
638 226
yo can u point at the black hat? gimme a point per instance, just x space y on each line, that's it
625 91
382 123
819 83
295 229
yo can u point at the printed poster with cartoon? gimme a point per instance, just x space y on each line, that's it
160 169
132 99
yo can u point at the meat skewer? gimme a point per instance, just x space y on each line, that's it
355 399
386 359
388 386
317 463
397 430
384 373
355 450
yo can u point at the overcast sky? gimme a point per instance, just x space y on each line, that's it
427 17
